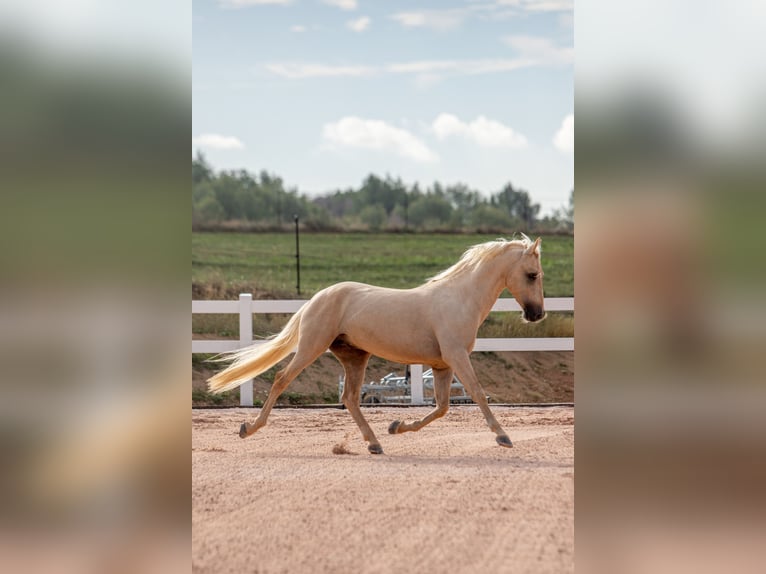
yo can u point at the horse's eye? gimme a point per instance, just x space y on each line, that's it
531 276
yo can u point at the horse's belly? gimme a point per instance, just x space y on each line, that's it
400 349
389 324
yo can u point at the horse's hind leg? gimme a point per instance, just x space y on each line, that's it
354 363
302 359
442 384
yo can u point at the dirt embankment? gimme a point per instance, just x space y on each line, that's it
518 377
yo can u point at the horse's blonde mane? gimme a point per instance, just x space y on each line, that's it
480 253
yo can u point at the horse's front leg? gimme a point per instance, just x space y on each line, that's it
442 384
461 363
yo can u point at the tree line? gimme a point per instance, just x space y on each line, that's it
239 200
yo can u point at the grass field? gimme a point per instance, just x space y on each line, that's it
226 263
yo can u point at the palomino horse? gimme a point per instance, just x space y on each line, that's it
434 324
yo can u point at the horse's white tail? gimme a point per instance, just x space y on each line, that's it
254 360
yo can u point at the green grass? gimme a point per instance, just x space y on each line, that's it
226 263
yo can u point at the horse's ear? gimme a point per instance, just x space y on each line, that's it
535 247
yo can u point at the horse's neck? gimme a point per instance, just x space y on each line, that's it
481 288
487 296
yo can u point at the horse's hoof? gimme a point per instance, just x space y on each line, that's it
393 428
375 449
243 431
503 440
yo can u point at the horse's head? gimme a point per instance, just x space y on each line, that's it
525 282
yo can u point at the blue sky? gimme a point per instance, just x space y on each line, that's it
324 92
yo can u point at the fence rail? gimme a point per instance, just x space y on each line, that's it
245 307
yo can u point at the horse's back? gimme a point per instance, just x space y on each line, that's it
350 291
391 323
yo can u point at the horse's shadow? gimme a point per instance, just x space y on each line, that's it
516 462
462 461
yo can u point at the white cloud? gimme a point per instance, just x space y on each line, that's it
460 67
483 131
451 18
359 25
541 50
295 71
298 28
423 66
539 5
428 69
245 3
355 132
342 4
564 138
217 141
441 20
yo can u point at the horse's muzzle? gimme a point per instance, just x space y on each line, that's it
533 313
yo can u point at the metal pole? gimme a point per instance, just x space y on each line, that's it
406 212
297 256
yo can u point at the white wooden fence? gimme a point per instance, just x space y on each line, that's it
245 308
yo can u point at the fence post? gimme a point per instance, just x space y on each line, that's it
245 340
416 384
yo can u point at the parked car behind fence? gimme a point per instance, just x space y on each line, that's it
393 388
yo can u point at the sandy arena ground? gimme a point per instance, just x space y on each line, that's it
444 499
